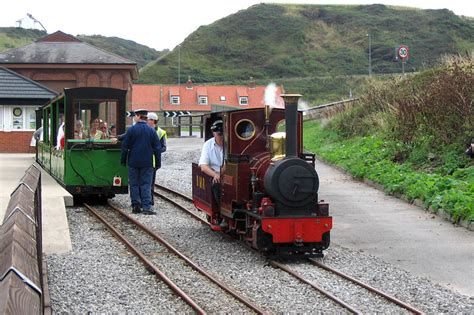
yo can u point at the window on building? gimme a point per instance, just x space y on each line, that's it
174 100
23 118
30 118
223 99
243 100
202 100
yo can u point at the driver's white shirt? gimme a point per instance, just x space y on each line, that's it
212 155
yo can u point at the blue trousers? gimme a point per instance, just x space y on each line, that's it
139 179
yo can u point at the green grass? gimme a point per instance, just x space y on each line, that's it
370 157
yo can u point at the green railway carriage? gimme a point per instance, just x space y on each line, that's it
81 162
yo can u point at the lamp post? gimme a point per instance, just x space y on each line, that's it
370 54
179 64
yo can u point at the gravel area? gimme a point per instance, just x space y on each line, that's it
99 275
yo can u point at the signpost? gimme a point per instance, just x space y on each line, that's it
403 53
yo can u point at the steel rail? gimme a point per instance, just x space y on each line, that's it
318 288
366 286
167 189
196 267
190 212
312 260
148 264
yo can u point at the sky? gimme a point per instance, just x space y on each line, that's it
161 24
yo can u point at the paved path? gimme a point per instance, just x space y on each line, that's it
56 237
400 233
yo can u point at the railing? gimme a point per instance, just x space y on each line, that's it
22 280
328 110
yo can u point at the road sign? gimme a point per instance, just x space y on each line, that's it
175 114
403 52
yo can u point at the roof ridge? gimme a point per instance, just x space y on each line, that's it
110 53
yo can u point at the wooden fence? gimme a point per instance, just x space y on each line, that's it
22 280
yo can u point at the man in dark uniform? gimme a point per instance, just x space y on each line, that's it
139 145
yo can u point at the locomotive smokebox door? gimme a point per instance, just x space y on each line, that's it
292 183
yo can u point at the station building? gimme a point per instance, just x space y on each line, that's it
55 62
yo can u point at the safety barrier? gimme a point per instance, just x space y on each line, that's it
328 110
22 280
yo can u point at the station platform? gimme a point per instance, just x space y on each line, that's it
55 198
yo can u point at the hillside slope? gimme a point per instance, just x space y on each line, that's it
12 37
275 41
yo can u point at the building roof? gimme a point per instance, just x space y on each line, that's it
60 48
16 86
147 96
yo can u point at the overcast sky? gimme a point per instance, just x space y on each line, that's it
161 24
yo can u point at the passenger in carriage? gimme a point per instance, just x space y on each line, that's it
211 159
79 130
104 130
94 132
60 133
113 131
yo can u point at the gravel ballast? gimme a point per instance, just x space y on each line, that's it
100 275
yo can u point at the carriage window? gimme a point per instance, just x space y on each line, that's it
244 129
93 119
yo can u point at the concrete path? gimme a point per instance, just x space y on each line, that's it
366 219
56 237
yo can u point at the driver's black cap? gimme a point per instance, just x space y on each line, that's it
217 126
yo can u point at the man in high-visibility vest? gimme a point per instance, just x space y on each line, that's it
153 123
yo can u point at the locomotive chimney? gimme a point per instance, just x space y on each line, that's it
291 121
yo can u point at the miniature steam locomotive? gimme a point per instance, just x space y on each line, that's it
269 186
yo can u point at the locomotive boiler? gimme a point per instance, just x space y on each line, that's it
269 186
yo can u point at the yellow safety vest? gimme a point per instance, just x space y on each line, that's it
161 133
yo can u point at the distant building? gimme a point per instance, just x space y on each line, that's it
59 61
169 99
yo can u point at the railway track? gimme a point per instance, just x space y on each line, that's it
366 287
152 254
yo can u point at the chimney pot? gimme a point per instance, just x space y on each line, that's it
189 83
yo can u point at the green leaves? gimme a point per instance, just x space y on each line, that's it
370 157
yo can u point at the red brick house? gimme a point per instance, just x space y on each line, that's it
200 98
59 61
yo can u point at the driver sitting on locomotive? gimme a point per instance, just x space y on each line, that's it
211 158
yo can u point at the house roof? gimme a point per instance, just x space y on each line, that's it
61 48
146 96
223 96
16 86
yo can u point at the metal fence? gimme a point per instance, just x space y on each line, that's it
328 110
22 280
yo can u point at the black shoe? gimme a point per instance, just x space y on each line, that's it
136 209
148 212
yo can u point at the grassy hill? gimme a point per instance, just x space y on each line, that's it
12 37
272 41
129 49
